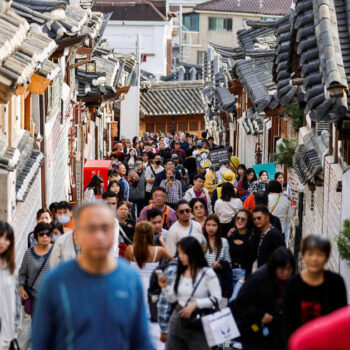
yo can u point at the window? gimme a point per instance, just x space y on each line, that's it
193 126
150 127
182 126
200 57
191 22
203 125
269 18
160 127
220 24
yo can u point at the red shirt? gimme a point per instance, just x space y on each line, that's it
331 332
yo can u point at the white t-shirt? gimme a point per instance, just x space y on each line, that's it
149 175
227 210
177 231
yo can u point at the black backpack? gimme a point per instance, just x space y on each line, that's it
225 278
154 289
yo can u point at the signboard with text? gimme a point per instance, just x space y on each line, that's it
269 167
218 157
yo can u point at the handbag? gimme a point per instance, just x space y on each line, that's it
220 327
29 303
14 345
194 321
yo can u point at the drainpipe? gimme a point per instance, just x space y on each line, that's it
42 150
299 228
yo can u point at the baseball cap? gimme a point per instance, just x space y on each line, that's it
174 156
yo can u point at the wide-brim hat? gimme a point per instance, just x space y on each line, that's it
228 176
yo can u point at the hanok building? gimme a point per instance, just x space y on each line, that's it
44 43
312 70
175 105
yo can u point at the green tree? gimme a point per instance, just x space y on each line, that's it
286 152
343 241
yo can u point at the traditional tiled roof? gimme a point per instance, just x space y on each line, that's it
286 92
309 154
172 98
22 53
228 54
319 58
185 71
59 20
112 71
217 78
266 7
130 10
28 166
255 71
252 122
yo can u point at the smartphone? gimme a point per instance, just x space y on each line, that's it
171 178
160 273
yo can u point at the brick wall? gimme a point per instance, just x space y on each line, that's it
57 171
332 208
24 217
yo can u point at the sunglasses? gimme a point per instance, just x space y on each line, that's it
184 211
241 218
258 218
198 207
43 233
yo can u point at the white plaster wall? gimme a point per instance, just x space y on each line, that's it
122 36
130 113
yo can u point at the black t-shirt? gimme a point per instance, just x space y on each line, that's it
240 253
311 302
303 303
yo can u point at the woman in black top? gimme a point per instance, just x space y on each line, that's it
314 292
240 249
258 307
126 224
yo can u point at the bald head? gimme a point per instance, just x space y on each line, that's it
92 206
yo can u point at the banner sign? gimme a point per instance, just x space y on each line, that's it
269 167
218 157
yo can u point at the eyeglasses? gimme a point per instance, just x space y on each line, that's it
257 218
241 218
43 233
184 211
198 207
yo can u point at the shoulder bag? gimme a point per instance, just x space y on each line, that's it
28 304
194 321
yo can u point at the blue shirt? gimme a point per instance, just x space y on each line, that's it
125 187
77 310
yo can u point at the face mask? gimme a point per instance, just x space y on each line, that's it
63 219
158 162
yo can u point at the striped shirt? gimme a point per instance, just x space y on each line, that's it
224 254
31 264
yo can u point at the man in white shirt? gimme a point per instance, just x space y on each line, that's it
279 205
150 175
183 227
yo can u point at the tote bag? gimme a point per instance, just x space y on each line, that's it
220 327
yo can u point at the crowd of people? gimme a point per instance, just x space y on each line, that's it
169 241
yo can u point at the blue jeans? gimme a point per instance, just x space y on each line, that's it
237 274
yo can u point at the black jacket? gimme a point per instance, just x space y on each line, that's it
259 294
264 246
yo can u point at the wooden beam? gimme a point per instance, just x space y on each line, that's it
27 112
85 50
272 112
38 84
